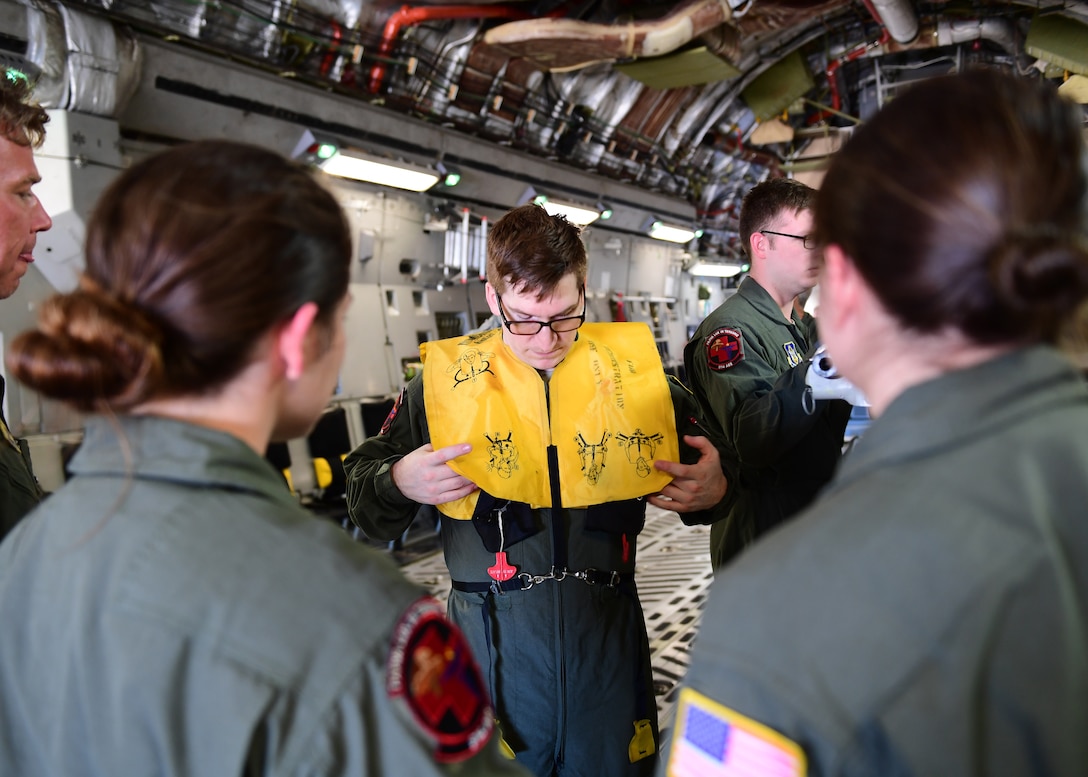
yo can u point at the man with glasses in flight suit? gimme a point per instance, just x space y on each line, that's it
541 442
746 364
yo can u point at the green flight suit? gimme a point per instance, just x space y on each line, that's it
173 611
746 366
567 660
19 489
928 614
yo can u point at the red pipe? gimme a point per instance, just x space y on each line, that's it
872 10
834 65
850 56
334 45
407 15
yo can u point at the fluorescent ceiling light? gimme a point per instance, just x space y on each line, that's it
662 231
360 166
715 270
575 214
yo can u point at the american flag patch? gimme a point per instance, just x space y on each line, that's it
714 741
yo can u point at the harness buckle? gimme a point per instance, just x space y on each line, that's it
594 576
591 576
528 581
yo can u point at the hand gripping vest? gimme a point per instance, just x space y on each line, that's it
610 416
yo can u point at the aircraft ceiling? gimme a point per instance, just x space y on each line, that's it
697 100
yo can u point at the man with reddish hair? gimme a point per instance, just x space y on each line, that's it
22 217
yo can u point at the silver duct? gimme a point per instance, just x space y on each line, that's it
86 66
996 29
347 12
898 18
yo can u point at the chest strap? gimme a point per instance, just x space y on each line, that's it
524 581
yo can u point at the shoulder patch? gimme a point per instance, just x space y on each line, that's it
392 413
724 348
715 741
431 667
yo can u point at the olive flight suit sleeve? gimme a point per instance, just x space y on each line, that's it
375 504
760 411
690 422
19 489
367 729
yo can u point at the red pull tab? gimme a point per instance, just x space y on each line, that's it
503 570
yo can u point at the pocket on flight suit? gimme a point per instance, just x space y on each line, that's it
624 517
518 522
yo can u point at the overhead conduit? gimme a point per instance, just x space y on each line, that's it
559 45
897 21
897 17
864 50
945 33
407 16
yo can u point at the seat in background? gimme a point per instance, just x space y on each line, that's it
329 443
374 413
280 458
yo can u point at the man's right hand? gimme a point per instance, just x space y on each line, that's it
424 476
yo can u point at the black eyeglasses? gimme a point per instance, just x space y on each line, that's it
564 324
809 241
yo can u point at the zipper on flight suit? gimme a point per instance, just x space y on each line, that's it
559 562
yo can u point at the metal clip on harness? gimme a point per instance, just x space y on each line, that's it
591 576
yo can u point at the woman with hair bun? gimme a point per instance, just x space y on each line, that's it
172 610
928 615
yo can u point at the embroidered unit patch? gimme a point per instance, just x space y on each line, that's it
715 741
792 356
431 668
392 413
724 348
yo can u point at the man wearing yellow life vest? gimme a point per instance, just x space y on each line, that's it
541 442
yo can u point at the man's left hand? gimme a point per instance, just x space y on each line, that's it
697 486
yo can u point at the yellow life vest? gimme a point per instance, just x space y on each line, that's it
611 415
